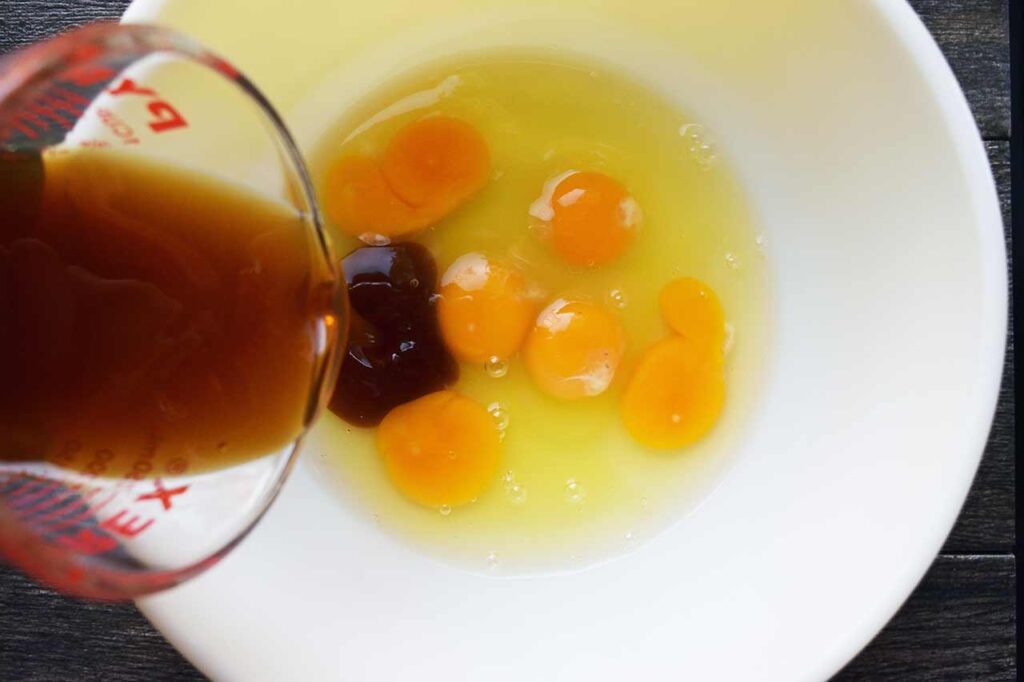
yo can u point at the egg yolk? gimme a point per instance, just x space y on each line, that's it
484 309
441 449
675 394
429 168
438 160
359 200
691 308
591 217
574 349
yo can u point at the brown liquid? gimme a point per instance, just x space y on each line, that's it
395 350
152 321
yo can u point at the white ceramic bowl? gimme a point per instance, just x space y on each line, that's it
889 275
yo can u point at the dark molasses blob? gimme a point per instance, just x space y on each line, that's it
395 350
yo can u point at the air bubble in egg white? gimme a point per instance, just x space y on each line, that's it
700 145
629 536
730 337
617 298
444 510
513 488
492 560
732 261
500 415
517 493
496 367
574 491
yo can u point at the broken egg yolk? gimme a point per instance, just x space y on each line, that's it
484 309
429 168
675 394
441 449
691 308
574 349
591 217
358 199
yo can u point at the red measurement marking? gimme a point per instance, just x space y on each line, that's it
167 117
130 87
83 52
87 542
144 464
139 470
99 461
84 512
59 100
71 448
87 74
33 117
42 109
25 130
162 494
26 480
58 509
45 503
21 499
117 126
128 527
71 96
176 466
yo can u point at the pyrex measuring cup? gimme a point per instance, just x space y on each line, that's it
116 521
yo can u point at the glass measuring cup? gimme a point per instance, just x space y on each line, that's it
114 488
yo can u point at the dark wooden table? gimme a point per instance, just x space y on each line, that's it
960 622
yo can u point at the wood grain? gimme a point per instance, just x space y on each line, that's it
23 22
986 523
975 38
958 625
45 637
